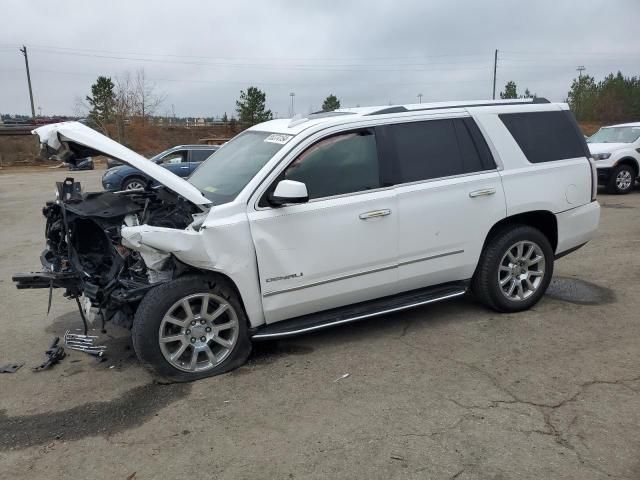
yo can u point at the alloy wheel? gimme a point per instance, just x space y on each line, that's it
521 270
198 332
134 185
623 180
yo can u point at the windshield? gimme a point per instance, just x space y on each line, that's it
222 176
615 135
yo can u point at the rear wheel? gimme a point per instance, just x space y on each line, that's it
622 180
514 270
190 328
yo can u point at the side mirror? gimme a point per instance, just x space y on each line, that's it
289 191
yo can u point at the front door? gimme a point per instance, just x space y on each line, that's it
177 162
341 246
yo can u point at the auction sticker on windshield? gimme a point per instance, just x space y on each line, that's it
278 138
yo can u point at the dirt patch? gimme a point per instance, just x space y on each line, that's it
580 292
268 352
615 205
130 410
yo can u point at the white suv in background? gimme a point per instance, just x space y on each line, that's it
616 150
297 225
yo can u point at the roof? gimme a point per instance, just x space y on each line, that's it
196 146
632 124
295 125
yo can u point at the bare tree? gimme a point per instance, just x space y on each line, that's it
147 99
124 105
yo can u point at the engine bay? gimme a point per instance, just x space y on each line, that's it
84 252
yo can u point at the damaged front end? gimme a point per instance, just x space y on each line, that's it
85 251
85 255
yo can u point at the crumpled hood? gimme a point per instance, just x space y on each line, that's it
67 139
606 147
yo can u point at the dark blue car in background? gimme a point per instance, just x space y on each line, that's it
181 160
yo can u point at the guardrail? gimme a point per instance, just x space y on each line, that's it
16 129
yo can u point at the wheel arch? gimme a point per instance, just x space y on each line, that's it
213 277
543 220
632 162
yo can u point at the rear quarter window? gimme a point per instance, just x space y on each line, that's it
545 136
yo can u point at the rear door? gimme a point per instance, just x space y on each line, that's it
449 195
341 246
196 157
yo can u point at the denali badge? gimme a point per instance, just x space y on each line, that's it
285 277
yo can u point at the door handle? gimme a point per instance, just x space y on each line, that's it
375 214
186 166
482 193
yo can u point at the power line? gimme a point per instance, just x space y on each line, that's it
302 67
49 47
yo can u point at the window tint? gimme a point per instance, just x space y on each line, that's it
200 155
433 149
336 165
545 136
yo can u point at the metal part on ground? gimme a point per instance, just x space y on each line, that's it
54 354
83 343
11 367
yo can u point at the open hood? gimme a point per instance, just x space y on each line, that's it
73 140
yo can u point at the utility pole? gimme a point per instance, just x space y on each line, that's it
419 98
292 95
580 69
26 62
495 70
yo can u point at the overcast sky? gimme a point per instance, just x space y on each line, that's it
202 53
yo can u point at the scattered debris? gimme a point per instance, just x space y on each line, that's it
54 354
84 343
341 377
10 367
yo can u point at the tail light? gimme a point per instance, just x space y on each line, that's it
594 179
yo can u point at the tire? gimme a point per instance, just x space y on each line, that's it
497 270
152 321
133 182
622 181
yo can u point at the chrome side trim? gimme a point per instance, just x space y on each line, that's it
431 257
329 280
358 274
313 328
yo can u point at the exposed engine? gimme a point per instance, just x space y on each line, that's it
84 253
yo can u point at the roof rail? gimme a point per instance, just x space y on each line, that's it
400 109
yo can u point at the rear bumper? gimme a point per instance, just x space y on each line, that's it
577 226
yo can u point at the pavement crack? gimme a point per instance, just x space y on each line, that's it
457 474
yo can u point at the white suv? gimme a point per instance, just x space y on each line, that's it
616 150
297 225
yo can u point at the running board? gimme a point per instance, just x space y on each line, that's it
359 311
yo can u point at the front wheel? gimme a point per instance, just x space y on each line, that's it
622 180
133 183
514 270
191 328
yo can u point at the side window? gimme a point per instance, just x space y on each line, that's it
340 164
434 149
545 136
200 155
175 157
